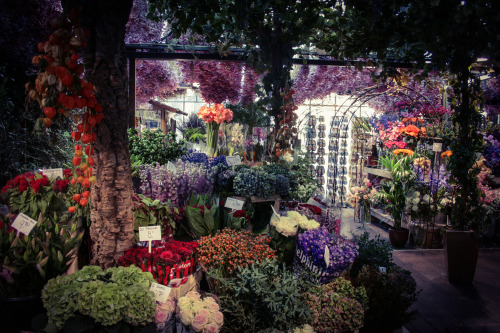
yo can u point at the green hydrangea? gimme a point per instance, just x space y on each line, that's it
86 297
119 294
141 308
110 303
58 298
88 273
131 276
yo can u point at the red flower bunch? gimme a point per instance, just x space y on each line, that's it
315 209
166 261
229 249
390 144
36 183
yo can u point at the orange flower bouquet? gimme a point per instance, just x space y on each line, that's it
214 116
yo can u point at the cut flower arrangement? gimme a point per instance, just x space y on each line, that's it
168 260
310 260
200 314
283 231
213 117
229 249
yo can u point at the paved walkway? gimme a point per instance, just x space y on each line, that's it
444 307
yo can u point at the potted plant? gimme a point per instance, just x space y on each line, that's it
468 220
393 193
423 203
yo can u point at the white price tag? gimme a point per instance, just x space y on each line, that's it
150 233
53 173
161 292
233 160
234 204
23 224
437 146
382 270
327 256
171 167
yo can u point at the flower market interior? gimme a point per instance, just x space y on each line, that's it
249 166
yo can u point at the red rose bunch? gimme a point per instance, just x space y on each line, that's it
229 249
167 260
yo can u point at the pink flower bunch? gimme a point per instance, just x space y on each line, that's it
490 195
399 144
392 132
217 113
163 311
364 192
202 315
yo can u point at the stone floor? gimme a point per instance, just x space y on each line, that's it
442 306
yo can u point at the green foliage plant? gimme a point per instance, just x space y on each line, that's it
149 212
202 215
390 296
29 261
393 193
375 252
263 296
154 146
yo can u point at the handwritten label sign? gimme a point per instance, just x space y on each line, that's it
233 160
53 173
150 233
327 256
171 167
23 224
161 292
234 204
437 146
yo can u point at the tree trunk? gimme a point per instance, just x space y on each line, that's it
112 219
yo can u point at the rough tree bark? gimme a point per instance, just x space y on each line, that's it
112 228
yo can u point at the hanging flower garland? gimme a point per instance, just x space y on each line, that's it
60 90
287 133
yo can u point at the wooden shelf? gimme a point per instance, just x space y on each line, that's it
378 172
379 214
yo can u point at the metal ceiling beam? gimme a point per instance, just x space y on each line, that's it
207 53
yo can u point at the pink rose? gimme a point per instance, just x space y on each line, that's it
219 318
161 317
193 295
211 328
200 320
212 306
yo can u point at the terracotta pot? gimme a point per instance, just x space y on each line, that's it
461 252
399 237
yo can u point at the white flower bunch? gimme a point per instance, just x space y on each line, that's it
288 157
288 225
